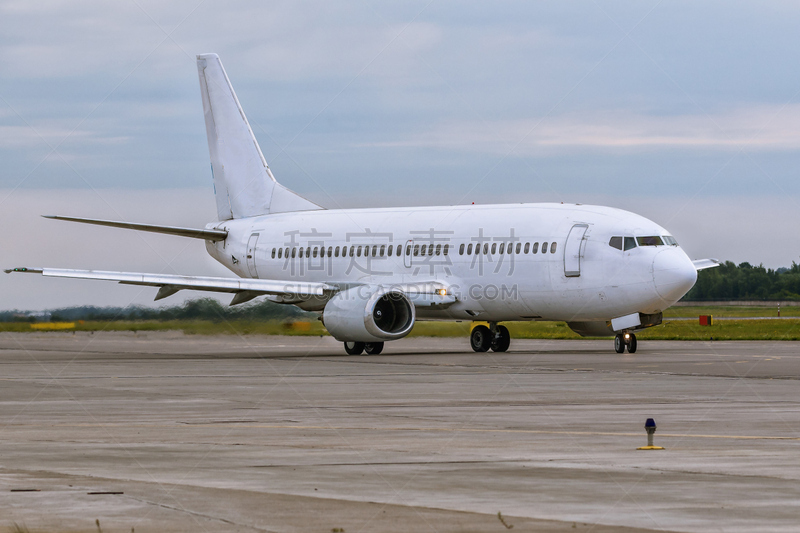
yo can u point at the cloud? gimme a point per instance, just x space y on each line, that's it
754 128
48 136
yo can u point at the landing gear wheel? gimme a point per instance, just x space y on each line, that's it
353 348
373 348
480 338
632 344
619 343
501 340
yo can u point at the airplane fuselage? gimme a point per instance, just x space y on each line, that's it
561 265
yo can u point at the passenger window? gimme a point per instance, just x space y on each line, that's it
630 243
315 251
446 249
336 251
469 249
416 250
438 249
358 251
352 251
280 253
389 250
308 251
408 250
375 251
552 247
485 248
330 251
615 242
273 253
300 255
383 249
494 247
544 247
527 246
461 249
535 248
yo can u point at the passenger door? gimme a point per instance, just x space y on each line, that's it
573 249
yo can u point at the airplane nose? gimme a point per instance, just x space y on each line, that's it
673 274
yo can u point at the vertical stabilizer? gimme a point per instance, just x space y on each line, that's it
243 184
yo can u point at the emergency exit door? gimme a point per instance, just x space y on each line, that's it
573 250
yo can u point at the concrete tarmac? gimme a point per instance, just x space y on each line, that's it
166 432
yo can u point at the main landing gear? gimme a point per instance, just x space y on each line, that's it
625 339
495 337
356 348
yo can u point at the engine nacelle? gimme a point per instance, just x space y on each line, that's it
369 314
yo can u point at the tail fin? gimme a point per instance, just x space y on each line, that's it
243 184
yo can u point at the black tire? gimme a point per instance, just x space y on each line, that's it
632 344
480 338
501 340
373 348
353 348
619 343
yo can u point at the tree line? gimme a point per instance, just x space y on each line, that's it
200 309
746 282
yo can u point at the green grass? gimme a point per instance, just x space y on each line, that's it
731 311
670 330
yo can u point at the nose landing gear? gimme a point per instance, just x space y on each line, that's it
623 340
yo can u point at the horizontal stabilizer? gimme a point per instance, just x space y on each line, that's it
206 234
170 284
701 264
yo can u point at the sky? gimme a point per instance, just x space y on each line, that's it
687 113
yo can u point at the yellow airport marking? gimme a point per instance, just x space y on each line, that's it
247 425
53 325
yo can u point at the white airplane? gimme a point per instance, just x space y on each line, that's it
372 273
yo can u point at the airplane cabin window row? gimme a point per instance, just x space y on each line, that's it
519 248
417 250
358 251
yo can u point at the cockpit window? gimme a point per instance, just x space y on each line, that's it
670 240
650 241
615 242
630 243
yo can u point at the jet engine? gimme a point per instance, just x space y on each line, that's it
369 314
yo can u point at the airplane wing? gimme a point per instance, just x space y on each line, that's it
700 264
244 289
